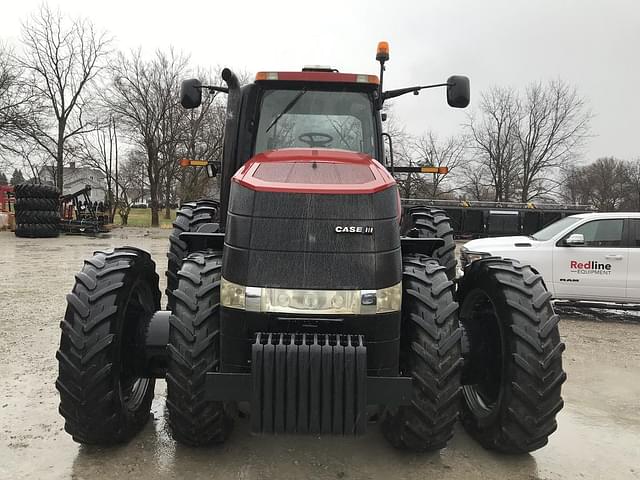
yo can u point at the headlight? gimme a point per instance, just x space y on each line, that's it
232 295
317 302
467 257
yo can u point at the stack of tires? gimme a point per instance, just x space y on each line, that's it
37 211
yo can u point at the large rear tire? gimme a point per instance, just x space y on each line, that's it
430 352
36 204
189 218
513 368
194 350
37 230
102 400
46 217
425 222
36 191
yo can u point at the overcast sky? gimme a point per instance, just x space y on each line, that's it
593 45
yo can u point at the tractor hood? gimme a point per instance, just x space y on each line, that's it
314 170
490 245
313 219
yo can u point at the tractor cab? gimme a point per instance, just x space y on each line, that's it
317 109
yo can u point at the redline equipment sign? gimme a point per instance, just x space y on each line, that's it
590 267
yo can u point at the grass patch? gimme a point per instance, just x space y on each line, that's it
141 217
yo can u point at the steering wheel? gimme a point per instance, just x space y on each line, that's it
316 139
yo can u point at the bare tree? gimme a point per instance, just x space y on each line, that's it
429 151
602 184
632 201
99 149
552 126
18 109
173 128
15 100
202 140
475 182
494 133
29 155
17 178
142 93
130 178
61 58
409 184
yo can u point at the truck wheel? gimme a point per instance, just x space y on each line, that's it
425 222
101 398
194 350
188 219
430 352
513 364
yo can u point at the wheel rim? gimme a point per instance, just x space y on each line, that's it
485 366
139 308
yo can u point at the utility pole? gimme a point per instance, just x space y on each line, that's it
117 200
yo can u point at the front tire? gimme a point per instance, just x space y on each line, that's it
431 354
102 400
194 350
513 368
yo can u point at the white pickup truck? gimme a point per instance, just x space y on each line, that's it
590 257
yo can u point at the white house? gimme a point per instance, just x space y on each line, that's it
76 178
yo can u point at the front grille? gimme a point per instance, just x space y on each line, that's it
297 240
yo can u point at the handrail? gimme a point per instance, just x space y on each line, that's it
480 203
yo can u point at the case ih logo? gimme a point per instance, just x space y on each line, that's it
590 268
366 230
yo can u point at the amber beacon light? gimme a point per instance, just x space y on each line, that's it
382 54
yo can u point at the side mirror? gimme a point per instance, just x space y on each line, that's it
458 92
191 93
575 239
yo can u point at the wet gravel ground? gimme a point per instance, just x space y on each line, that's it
598 435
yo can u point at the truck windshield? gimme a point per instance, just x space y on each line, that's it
316 119
552 230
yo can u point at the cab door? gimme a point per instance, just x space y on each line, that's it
633 279
596 269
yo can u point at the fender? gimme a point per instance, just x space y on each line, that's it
203 240
424 246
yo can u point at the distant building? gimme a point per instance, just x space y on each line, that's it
76 178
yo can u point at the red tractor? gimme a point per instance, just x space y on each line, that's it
309 292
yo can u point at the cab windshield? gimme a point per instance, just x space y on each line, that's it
550 231
300 118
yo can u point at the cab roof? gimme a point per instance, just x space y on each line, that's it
320 75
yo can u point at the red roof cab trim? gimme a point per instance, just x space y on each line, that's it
382 179
334 77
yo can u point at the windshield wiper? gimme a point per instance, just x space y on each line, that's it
286 109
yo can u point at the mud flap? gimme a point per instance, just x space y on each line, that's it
309 383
